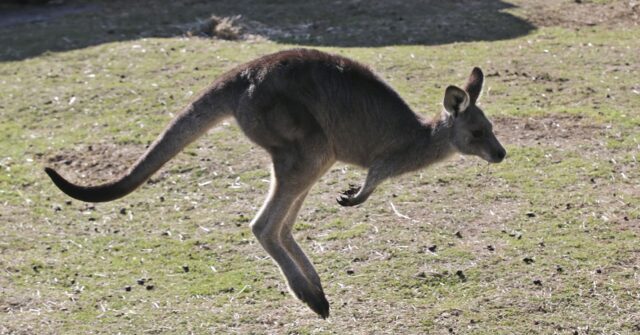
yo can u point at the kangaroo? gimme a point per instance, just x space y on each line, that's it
309 109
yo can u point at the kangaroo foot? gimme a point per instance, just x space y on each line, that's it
311 295
317 301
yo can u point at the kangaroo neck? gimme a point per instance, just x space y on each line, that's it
437 145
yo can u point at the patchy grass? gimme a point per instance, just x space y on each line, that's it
545 242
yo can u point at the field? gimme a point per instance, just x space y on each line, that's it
546 242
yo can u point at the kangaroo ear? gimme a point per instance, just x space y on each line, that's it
455 100
474 84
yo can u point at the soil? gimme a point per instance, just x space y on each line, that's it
556 131
582 13
98 162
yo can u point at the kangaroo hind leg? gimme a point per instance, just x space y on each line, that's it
293 175
294 248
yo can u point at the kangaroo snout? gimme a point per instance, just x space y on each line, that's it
498 156
493 153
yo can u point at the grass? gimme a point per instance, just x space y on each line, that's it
565 104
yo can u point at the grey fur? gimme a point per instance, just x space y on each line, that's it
309 109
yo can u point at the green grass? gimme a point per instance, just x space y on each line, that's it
565 103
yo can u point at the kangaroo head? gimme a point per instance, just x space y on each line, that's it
471 132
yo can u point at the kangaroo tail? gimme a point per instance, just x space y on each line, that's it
201 114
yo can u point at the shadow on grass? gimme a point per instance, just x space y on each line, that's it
28 31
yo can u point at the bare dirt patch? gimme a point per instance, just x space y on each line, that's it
96 162
582 13
558 131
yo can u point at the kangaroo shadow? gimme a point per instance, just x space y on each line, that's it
28 31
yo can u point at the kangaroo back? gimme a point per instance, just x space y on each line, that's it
198 117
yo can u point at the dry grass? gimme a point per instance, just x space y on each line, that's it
226 28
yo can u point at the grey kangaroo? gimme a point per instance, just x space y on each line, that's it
309 109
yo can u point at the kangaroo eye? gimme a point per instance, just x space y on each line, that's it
477 133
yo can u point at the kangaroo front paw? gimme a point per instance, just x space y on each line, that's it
347 198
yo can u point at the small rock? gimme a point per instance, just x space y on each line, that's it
559 269
433 248
598 271
491 248
350 272
127 288
150 287
531 214
537 282
516 234
141 281
123 211
458 234
461 275
185 268
528 260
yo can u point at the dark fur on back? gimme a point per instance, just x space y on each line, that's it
341 97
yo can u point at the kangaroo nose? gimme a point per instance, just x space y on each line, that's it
501 155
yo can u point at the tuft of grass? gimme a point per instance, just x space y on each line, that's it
226 28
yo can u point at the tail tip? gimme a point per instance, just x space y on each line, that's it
51 172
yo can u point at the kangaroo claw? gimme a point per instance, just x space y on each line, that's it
347 198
